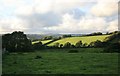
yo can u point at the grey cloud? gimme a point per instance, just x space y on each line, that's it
40 23
111 18
77 13
42 20
37 22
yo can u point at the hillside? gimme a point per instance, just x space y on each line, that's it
39 36
43 42
86 39
114 38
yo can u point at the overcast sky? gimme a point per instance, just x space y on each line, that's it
58 16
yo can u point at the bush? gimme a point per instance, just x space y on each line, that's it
94 34
67 45
73 51
114 36
91 44
47 38
38 57
85 45
65 36
61 45
78 44
96 43
73 46
16 42
38 46
113 47
56 45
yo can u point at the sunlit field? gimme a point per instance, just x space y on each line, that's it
43 42
74 40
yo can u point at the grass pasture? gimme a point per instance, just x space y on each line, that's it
59 61
74 40
43 42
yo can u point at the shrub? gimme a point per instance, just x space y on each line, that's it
67 45
94 34
16 41
56 45
38 57
85 45
47 38
113 47
78 44
64 36
73 46
96 43
115 35
61 45
37 46
91 44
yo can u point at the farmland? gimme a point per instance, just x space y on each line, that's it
43 42
42 59
74 40
59 61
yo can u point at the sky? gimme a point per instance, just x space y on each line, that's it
58 16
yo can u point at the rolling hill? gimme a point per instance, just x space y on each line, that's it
43 42
74 40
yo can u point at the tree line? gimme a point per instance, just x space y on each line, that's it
18 42
69 35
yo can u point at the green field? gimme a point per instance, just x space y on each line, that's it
59 61
74 40
43 42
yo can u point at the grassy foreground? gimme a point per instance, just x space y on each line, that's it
74 40
57 61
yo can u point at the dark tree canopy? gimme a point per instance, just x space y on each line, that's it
113 42
115 37
56 45
67 45
96 44
94 34
38 46
78 44
64 36
48 38
16 41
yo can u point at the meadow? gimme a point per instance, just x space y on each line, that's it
43 41
85 39
74 40
59 61
84 60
